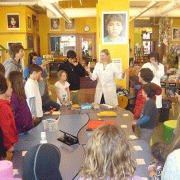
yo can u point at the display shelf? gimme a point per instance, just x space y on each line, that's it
139 55
169 88
54 66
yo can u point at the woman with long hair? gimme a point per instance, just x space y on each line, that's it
108 156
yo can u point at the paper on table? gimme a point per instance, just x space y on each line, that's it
15 171
125 114
144 178
47 112
24 153
132 137
56 112
137 148
140 161
123 126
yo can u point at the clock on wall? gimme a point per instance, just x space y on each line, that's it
86 28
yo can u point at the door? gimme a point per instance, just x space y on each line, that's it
86 47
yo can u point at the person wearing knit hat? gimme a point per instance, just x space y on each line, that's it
47 103
42 162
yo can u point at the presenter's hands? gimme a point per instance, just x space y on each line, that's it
124 71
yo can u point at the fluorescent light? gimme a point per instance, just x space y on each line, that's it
144 10
57 10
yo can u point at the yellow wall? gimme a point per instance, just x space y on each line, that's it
44 29
137 36
116 50
19 35
29 12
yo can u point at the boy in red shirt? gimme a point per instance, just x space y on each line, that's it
145 76
7 121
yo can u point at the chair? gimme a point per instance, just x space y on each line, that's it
122 101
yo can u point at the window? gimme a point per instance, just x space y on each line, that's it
61 44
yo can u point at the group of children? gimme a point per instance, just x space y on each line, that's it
19 106
107 155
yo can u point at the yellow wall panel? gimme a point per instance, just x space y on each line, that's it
44 29
116 50
29 12
9 10
5 38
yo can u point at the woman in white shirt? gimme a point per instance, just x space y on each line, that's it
158 71
106 71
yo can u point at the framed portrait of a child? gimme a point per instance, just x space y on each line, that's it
13 21
55 24
115 27
70 26
176 34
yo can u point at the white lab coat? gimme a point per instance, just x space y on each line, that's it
106 83
157 78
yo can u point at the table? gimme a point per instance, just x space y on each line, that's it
75 122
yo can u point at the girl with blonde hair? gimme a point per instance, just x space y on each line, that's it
108 156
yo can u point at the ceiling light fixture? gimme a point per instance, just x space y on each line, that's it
56 10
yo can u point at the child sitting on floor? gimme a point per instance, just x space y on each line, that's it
108 156
159 151
148 118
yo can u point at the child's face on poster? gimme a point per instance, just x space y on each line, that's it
176 33
55 24
114 28
13 21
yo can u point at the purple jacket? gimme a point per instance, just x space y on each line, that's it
22 114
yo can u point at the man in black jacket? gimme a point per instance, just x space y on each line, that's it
74 70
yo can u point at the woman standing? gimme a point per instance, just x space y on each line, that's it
106 71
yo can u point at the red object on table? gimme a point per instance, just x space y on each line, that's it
94 124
